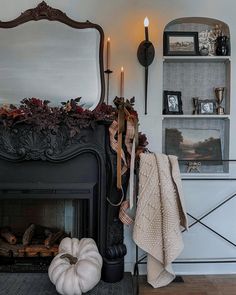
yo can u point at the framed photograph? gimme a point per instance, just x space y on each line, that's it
206 107
194 144
181 43
172 102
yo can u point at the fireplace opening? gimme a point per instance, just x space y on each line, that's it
32 225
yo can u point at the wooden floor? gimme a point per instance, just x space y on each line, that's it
194 285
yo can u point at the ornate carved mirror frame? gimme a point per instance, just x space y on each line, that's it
45 12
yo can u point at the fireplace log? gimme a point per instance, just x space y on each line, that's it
8 250
41 230
37 241
47 232
28 235
6 233
37 250
53 238
19 250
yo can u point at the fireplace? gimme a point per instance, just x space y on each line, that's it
60 182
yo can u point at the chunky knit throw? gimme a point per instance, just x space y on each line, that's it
160 215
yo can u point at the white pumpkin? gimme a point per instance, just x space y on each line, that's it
76 268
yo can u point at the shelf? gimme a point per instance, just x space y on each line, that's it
196 116
196 58
204 176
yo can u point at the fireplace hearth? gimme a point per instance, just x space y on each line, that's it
56 181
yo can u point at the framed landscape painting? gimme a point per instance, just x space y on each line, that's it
202 145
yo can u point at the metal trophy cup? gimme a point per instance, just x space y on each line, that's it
219 93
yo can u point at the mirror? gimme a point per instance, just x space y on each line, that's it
56 61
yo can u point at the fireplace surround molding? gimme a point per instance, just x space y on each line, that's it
41 164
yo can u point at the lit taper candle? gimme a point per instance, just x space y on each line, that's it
146 24
122 82
108 52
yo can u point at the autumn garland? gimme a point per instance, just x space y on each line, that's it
38 113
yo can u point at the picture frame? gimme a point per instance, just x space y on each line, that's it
172 103
206 106
181 43
194 144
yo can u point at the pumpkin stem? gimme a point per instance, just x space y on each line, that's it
71 258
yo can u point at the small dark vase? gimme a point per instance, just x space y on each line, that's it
222 46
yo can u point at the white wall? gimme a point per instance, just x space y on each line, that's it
122 20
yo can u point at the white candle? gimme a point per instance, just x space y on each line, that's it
122 82
108 52
146 24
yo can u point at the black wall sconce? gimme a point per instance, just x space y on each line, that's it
146 54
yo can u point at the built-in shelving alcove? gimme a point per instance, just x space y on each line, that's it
198 76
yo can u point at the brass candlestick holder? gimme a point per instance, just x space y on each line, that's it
219 94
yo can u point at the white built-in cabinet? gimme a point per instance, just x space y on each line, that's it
210 194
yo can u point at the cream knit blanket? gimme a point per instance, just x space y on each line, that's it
160 214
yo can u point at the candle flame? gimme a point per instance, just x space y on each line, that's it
108 39
122 69
146 22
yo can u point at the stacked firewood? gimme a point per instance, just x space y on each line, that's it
36 241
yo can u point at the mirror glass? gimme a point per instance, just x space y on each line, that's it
50 60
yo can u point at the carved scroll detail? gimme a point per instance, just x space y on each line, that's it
28 143
43 10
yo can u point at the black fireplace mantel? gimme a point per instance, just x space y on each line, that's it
36 161
28 142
